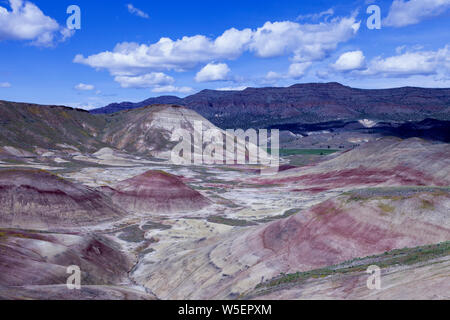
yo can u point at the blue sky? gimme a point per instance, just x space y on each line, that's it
133 50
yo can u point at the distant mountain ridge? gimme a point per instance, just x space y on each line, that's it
306 103
116 107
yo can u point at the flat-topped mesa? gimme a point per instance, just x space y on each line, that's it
308 103
157 192
40 200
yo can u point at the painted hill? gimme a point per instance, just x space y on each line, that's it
156 192
43 258
391 194
386 162
34 266
311 103
357 224
148 130
39 200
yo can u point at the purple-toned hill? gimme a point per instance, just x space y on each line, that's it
39 200
33 265
156 192
386 162
361 223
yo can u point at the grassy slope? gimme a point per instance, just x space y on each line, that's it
405 256
26 126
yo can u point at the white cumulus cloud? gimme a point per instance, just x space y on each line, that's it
84 87
317 16
272 75
25 21
411 63
298 70
303 42
133 10
352 60
213 72
144 81
306 42
403 13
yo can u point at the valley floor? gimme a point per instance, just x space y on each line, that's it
216 252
